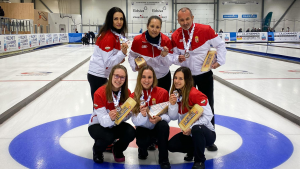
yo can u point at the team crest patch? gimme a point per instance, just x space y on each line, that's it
180 40
196 39
144 46
95 105
203 101
107 47
153 101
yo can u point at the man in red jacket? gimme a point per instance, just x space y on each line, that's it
191 42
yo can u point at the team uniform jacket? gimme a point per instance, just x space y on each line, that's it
195 97
101 109
158 95
107 53
203 38
141 47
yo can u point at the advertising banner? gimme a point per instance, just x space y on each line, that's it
49 39
224 36
33 41
55 38
239 16
286 37
10 43
1 44
63 37
23 41
251 37
142 10
42 39
249 15
231 16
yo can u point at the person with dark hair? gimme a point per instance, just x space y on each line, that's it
146 94
92 36
1 12
108 51
191 42
88 36
202 132
85 40
154 47
102 126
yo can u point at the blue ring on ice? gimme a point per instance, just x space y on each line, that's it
39 147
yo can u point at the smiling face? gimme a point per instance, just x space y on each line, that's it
179 80
185 19
147 79
118 79
118 20
154 28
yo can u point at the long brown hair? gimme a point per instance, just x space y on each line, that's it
188 84
124 88
139 88
108 24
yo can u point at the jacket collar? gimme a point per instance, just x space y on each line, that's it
190 29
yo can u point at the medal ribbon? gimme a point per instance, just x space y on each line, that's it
122 38
116 100
188 44
149 96
155 45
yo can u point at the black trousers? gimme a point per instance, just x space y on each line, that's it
145 137
201 137
205 84
165 82
95 83
106 136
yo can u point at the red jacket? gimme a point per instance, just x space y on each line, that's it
101 109
203 38
141 47
107 53
158 95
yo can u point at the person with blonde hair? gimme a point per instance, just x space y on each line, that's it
107 99
146 94
202 132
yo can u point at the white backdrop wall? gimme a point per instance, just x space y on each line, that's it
233 24
94 12
137 25
55 20
73 6
291 19
203 11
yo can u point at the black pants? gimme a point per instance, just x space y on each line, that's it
165 82
106 136
144 137
95 83
201 137
205 84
